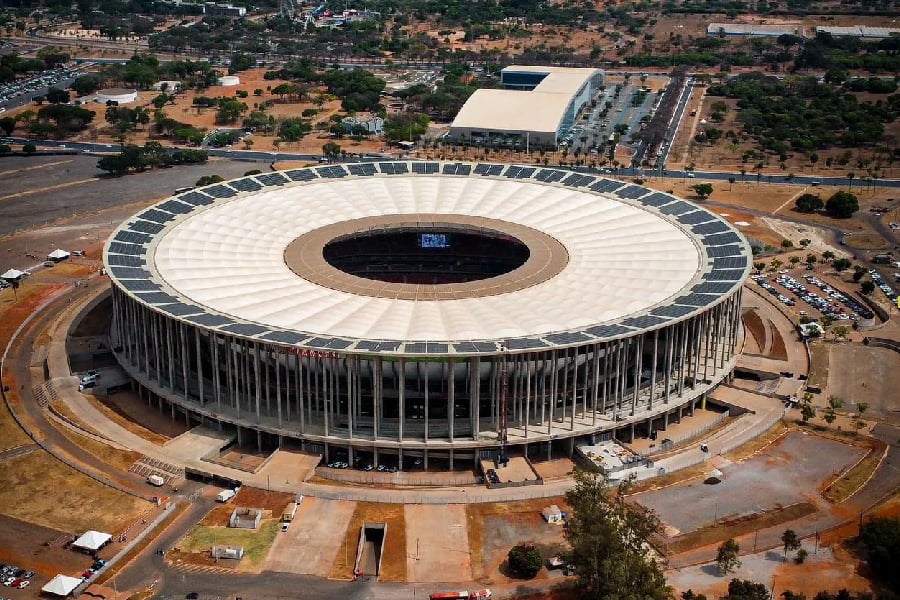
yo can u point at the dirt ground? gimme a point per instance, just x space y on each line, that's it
868 375
274 502
396 545
26 546
142 419
437 543
554 469
293 467
502 532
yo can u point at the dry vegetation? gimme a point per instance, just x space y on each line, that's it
850 482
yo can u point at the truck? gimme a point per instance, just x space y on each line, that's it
156 480
225 495
462 595
288 515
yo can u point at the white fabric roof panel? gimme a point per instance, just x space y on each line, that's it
229 258
61 585
92 540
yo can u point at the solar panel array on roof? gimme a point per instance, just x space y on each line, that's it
175 207
196 198
284 337
676 208
245 185
244 329
157 216
632 192
272 179
492 170
673 311
362 169
696 299
120 248
655 199
567 338
730 262
475 346
457 169
371 346
731 250
129 272
132 237
549 175
393 168
576 180
696 217
725 275
125 261
425 348
721 239
139 285
208 320
519 172
156 297
709 287
332 343
644 321
606 185
220 191
333 172
301 174
179 309
608 330
524 343
481 168
146 226
424 168
707 228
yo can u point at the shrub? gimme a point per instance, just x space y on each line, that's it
525 560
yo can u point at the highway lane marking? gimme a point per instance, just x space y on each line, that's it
46 189
53 164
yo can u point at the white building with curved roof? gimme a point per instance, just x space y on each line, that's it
393 308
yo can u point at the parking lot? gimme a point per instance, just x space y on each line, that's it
801 292
20 92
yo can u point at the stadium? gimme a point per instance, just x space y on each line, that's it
426 309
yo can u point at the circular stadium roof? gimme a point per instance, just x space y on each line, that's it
622 257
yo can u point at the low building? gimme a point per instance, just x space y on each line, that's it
223 10
372 124
228 80
118 95
859 31
245 518
752 30
552 514
232 552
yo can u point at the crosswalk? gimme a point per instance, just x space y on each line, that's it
187 569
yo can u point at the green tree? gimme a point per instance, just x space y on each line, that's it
208 180
86 84
525 560
8 125
57 96
740 589
841 205
867 287
841 264
230 111
703 190
727 556
808 203
881 539
29 148
331 150
790 541
609 537
807 411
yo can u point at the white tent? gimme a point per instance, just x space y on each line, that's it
58 254
92 540
12 274
61 585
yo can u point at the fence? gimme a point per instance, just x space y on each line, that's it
687 437
754 432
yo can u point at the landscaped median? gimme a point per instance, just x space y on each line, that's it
195 546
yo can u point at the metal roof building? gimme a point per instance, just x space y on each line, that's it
392 307
752 29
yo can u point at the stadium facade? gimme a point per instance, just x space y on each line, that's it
425 309
536 107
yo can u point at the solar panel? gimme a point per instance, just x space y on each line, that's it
567 338
644 321
318 342
712 288
724 275
696 299
513 171
524 343
272 179
732 250
696 217
401 168
244 329
721 239
526 173
196 198
220 191
463 169
208 320
178 208
129 272
139 285
425 348
574 180
125 261
337 344
157 216
481 168
146 227
156 298
606 185
362 169
372 346
676 208
656 199
730 262
475 347
246 185
550 175
608 330
332 172
179 309
132 237
632 192
713 227
494 170
301 174
284 337
673 311
120 248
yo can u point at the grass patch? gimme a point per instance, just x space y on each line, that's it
719 532
11 435
818 368
393 562
847 484
256 543
39 489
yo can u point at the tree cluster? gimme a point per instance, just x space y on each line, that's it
152 155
